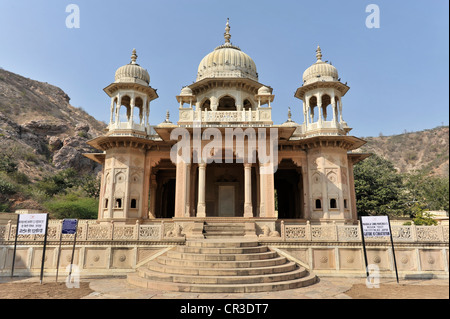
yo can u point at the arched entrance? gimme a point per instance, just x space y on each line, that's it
289 188
165 190
224 190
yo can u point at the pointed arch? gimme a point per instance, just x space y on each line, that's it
205 104
227 103
124 111
326 101
312 104
138 109
248 104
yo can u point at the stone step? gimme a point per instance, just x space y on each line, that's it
224 234
165 260
221 257
223 230
264 270
231 243
224 224
215 227
221 265
135 279
215 279
221 250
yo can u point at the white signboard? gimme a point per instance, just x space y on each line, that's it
32 224
375 226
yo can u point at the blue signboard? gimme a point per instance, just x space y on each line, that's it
69 226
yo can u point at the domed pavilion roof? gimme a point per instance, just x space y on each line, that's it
132 72
226 61
320 71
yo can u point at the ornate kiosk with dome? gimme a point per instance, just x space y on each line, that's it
311 180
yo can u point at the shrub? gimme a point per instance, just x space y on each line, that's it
7 164
72 206
6 188
58 183
83 134
424 219
31 157
4 207
20 178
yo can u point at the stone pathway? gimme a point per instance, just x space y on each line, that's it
326 288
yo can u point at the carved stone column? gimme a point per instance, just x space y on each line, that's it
267 202
188 190
201 206
131 119
112 112
248 208
117 110
319 107
153 185
262 196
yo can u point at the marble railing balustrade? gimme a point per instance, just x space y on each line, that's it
332 249
349 233
90 230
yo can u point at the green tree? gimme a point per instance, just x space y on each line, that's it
72 205
379 188
430 192
91 185
58 183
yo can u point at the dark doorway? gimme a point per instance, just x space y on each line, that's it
288 185
168 199
227 103
165 190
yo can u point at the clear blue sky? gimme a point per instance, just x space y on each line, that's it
398 73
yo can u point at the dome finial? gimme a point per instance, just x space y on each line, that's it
167 117
319 54
289 115
133 57
227 34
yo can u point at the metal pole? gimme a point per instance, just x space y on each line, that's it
364 246
73 252
15 245
59 255
393 250
43 250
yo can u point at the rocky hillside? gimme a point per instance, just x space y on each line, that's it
40 130
426 150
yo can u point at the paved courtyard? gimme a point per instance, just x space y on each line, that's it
326 288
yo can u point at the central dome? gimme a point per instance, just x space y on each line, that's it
227 61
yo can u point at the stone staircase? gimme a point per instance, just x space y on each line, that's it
223 230
221 265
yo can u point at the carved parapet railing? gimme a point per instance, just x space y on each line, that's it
90 230
348 233
228 116
259 115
